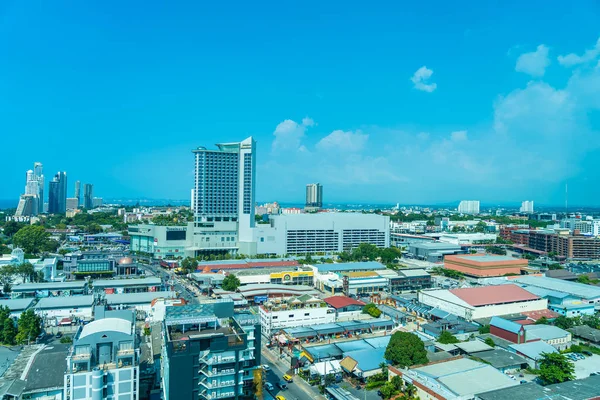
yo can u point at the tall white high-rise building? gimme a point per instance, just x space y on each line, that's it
314 195
526 206
224 193
31 203
469 207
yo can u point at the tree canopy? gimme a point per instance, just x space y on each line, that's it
405 349
556 368
447 338
372 310
230 283
34 239
29 327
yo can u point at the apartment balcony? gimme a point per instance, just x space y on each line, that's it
212 384
211 373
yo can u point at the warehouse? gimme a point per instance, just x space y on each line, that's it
49 289
54 309
577 291
481 302
16 306
433 251
137 301
486 265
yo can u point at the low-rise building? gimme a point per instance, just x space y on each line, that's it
54 309
453 379
49 289
136 301
410 280
532 351
577 292
132 285
16 306
586 333
485 265
279 313
433 251
104 361
481 302
504 361
580 389
553 335
345 307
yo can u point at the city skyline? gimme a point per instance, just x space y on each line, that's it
422 111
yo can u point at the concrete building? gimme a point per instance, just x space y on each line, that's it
96 264
136 301
579 389
16 306
575 292
345 307
320 233
453 379
314 196
409 280
104 361
277 314
49 289
72 203
482 302
209 352
54 309
112 286
485 265
78 192
527 207
432 251
469 207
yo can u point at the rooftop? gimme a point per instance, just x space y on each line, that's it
369 359
587 333
576 289
462 377
101 283
473 346
410 273
65 302
27 287
505 324
45 371
545 332
500 294
136 298
533 350
499 358
342 301
16 304
486 258
435 246
350 266
581 389
107 325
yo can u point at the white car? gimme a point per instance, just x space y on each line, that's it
269 386
265 367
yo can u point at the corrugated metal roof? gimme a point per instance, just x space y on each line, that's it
101 283
576 289
135 298
506 325
533 350
480 296
24 287
367 360
351 266
16 304
65 302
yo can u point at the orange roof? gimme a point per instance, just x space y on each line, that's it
488 295
342 301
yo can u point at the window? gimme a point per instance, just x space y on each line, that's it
291 315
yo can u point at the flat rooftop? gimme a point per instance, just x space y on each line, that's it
580 389
151 281
45 371
499 294
30 287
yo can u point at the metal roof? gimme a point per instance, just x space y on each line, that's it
16 304
413 272
136 298
353 345
545 332
499 358
579 290
379 342
64 302
29 287
328 329
325 351
368 359
533 350
473 346
486 258
506 325
350 266
102 283
107 325
580 389
487 295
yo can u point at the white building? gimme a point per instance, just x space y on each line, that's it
321 232
54 309
553 335
305 310
483 302
469 207
136 301
314 196
527 207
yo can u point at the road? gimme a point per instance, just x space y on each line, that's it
172 279
297 390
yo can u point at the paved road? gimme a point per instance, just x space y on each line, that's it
297 390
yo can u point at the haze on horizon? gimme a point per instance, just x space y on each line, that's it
381 103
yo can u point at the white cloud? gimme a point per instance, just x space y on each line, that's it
421 78
458 136
573 59
288 134
535 62
343 141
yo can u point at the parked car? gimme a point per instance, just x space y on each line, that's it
523 381
587 353
59 335
266 367
288 378
269 386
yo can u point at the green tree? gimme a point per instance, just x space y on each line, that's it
389 255
556 368
32 239
7 273
542 321
388 390
189 264
25 271
484 329
9 331
397 382
490 342
365 252
372 310
29 327
447 338
405 349
564 322
230 283
12 227
495 250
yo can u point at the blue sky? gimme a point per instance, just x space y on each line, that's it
386 102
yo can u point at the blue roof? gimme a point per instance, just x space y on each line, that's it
505 324
324 351
379 342
436 312
351 266
368 360
354 345
544 293
533 350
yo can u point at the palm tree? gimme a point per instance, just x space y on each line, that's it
410 390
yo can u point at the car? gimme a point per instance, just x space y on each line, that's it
521 376
59 335
523 381
265 367
282 385
288 378
269 386
587 353
279 397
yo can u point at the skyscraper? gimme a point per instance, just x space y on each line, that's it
78 191
314 196
32 202
527 206
57 194
224 193
88 196
469 207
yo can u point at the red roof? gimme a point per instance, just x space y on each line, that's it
342 301
499 294
535 315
